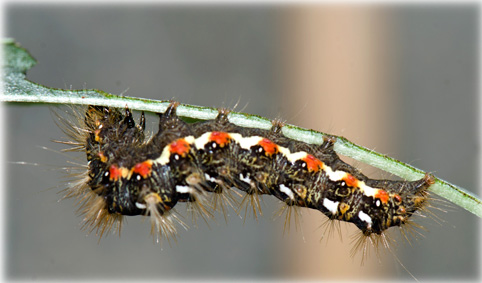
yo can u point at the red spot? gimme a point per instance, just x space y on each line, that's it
313 163
180 147
382 195
143 168
115 172
220 138
269 147
350 180
397 198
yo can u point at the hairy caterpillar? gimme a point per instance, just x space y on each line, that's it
131 175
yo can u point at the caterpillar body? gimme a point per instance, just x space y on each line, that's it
129 174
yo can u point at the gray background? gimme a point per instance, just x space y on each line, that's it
218 56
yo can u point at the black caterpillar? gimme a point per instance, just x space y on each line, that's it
130 175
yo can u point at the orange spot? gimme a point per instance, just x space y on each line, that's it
143 168
350 180
269 147
180 147
220 138
397 198
96 135
313 163
115 172
102 156
382 195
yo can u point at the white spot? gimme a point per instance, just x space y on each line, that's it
284 189
176 156
140 205
377 203
106 173
332 206
245 179
183 189
138 178
364 217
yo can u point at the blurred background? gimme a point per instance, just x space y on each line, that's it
401 79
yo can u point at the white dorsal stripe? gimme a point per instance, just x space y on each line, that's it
202 140
248 142
293 157
190 139
165 155
340 175
368 191
166 152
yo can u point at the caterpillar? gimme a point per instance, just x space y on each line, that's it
129 174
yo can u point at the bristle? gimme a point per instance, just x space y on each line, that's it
162 224
290 211
330 227
97 217
252 200
224 198
368 243
199 206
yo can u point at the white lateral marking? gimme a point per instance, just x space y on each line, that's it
140 205
183 189
284 189
332 206
209 178
245 179
364 217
